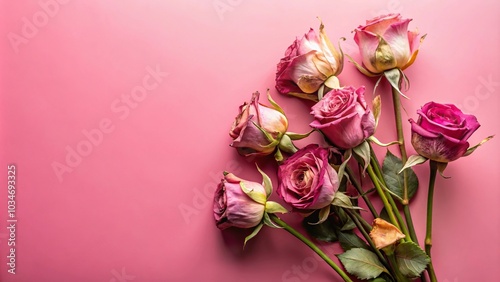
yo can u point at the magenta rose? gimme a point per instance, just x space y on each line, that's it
308 63
441 132
306 179
232 207
385 43
343 116
249 139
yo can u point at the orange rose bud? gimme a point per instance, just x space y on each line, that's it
384 234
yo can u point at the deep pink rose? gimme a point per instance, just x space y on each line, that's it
306 179
307 64
249 140
232 207
441 132
385 43
342 115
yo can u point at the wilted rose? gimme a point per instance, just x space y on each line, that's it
308 63
306 179
386 43
343 116
251 125
441 132
384 234
233 207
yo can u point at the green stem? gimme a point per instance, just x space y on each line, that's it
382 196
356 185
376 166
396 100
428 233
311 245
404 157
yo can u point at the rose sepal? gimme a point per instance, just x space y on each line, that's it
473 148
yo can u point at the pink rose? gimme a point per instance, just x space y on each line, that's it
306 179
441 132
249 139
307 64
232 207
385 43
342 115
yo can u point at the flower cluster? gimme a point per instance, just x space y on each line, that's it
317 181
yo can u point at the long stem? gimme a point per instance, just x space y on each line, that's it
428 232
383 196
404 157
311 245
356 185
376 167
396 100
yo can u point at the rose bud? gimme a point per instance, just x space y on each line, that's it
257 129
343 116
308 64
233 207
306 179
385 43
441 132
384 234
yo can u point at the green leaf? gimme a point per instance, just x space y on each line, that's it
323 215
268 136
363 151
273 207
349 240
376 141
298 136
473 148
394 78
268 221
347 157
362 263
286 145
253 234
390 168
376 107
413 160
332 82
275 105
256 196
266 181
411 259
342 200
278 156
325 231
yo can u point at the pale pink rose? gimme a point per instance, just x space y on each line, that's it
249 140
232 207
306 179
307 64
343 116
386 43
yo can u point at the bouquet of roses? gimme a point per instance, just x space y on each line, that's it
322 183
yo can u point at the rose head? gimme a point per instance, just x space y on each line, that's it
342 115
252 120
232 207
307 64
385 43
306 179
441 132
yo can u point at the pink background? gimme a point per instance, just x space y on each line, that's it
117 215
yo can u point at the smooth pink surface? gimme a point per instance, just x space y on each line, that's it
117 215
